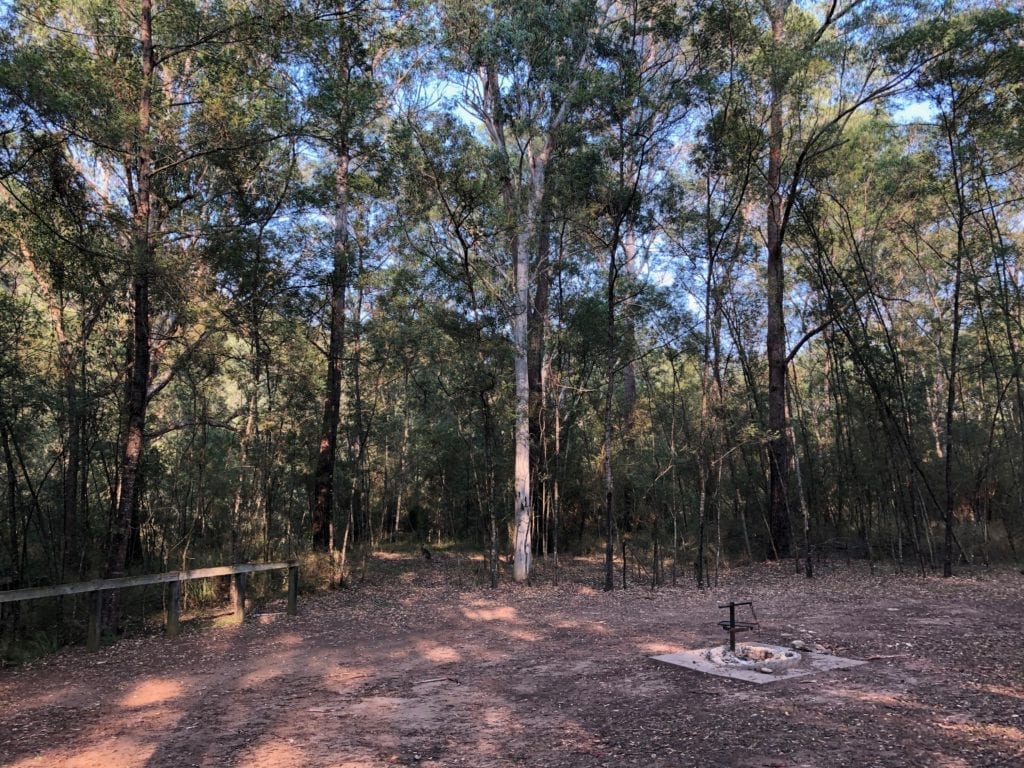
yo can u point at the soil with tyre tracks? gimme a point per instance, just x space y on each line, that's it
422 665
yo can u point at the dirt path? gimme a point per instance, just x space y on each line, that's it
410 669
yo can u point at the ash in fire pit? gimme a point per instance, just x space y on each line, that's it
766 659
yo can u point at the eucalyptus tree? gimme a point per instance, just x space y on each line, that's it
23 392
719 249
712 228
114 120
522 90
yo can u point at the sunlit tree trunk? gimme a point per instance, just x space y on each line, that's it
522 543
526 224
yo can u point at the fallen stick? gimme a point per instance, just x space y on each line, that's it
890 656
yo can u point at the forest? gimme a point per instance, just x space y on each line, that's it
676 283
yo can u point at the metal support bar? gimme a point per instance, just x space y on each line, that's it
733 626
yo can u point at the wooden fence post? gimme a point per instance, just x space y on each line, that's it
92 640
174 610
293 589
238 596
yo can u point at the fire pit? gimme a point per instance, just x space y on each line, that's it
766 659
754 662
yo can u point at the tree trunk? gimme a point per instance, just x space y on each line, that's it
522 540
72 472
606 443
522 545
489 481
953 132
359 496
556 487
538 329
629 370
805 512
778 444
954 359
323 481
243 489
139 356
13 512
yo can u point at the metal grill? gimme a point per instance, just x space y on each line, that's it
734 626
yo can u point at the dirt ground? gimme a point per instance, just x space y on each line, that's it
422 666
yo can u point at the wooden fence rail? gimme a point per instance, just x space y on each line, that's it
97 587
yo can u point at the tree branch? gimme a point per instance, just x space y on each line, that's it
807 337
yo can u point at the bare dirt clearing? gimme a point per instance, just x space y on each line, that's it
420 666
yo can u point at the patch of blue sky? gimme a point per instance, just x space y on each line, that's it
907 111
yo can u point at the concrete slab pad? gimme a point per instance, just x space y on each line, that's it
712 661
